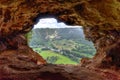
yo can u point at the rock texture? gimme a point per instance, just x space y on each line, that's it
27 70
100 19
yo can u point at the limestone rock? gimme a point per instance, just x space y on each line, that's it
100 19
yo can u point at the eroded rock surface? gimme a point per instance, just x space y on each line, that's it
31 71
100 19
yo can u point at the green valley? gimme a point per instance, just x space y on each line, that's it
61 45
53 57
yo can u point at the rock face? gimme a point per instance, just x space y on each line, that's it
100 19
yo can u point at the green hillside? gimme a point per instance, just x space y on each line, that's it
62 44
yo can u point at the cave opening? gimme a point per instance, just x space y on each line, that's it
59 43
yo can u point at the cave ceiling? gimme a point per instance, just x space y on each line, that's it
19 16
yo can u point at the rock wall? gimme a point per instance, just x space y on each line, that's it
100 19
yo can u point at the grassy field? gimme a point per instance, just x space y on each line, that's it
61 58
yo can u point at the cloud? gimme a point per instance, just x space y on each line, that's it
51 23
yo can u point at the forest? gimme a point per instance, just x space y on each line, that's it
61 45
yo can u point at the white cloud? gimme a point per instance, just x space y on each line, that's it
51 23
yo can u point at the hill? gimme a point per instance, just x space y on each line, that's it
69 42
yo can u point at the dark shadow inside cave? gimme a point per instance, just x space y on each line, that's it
59 43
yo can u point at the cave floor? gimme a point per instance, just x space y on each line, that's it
20 67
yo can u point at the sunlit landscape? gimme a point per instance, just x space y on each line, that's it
58 43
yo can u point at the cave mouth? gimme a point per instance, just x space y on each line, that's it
59 43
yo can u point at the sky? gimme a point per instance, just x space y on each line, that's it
51 23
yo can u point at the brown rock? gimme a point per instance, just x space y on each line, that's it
101 21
